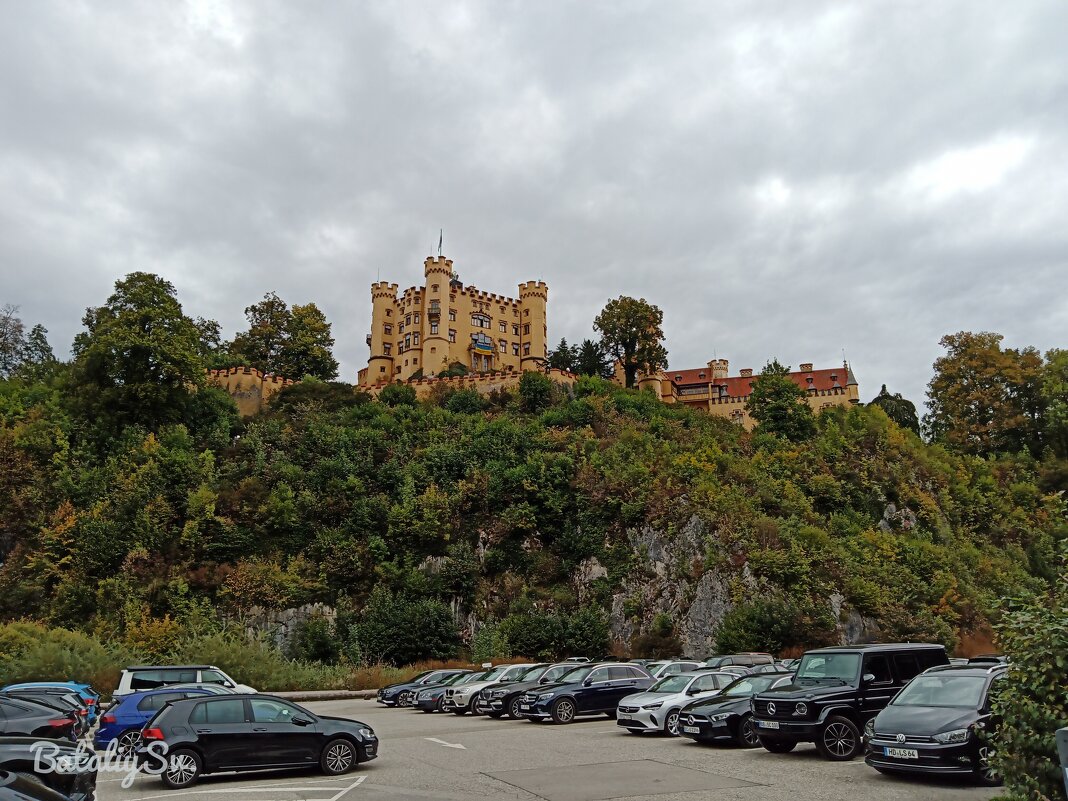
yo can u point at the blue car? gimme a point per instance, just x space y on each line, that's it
125 719
90 696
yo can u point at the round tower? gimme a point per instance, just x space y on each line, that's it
533 334
438 273
383 313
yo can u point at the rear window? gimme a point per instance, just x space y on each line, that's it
221 711
150 703
151 679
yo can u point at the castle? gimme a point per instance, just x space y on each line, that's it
425 329
711 388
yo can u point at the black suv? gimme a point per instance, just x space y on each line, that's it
503 699
728 715
835 692
940 723
209 734
587 690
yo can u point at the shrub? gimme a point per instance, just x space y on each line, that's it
397 395
535 391
771 626
489 643
314 641
398 630
660 642
465 401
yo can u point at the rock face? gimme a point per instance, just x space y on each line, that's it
282 625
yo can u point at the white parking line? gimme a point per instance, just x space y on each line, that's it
259 788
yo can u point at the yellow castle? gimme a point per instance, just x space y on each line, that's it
421 331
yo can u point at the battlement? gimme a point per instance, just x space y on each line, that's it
534 289
437 266
383 289
483 383
487 297
250 371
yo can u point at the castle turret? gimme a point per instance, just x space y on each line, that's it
384 316
438 274
533 300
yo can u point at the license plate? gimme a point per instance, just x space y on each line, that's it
622 716
524 707
767 724
902 753
691 730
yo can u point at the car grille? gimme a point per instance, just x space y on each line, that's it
783 709
528 699
891 737
630 710
448 693
690 720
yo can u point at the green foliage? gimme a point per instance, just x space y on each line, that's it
465 401
556 636
779 406
291 342
591 360
397 395
1032 703
660 642
771 626
454 369
632 332
535 391
901 410
563 357
314 641
489 643
397 629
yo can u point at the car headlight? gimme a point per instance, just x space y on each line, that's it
367 734
955 736
801 709
545 696
425 694
869 728
498 693
657 705
721 716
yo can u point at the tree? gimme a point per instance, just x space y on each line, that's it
535 391
397 395
901 410
590 359
631 331
138 360
779 406
12 340
983 399
399 630
563 357
288 342
1055 400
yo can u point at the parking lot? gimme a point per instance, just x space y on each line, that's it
437 756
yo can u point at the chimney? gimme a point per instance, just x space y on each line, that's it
719 368
805 367
747 372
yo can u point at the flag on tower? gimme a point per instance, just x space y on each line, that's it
441 235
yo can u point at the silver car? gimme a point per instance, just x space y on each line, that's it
673 667
657 709
460 699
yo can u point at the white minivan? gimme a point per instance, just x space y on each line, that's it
150 677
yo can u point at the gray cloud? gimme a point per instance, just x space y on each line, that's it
783 179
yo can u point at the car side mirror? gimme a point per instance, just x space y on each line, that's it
228 684
301 722
868 678
587 682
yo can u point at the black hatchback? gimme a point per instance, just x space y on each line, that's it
210 734
939 723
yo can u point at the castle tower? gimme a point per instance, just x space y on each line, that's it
533 300
384 316
438 274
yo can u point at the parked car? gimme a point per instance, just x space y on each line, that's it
249 732
727 715
657 708
123 721
214 689
789 665
89 696
587 690
152 677
59 699
745 660
459 699
57 764
21 717
15 787
835 692
503 699
578 659
673 667
429 699
939 723
390 695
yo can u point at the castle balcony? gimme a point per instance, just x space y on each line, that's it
368 340
433 311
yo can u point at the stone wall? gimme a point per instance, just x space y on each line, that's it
282 624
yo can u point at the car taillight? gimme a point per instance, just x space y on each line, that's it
90 702
83 712
151 734
108 719
59 723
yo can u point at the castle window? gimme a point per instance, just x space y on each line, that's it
452 297
504 326
415 339
415 361
433 350
389 312
452 335
515 329
526 348
515 348
434 288
405 362
388 329
503 346
452 314
382 369
387 348
526 312
400 328
407 341
700 375
417 318
480 321
408 320
526 329
433 328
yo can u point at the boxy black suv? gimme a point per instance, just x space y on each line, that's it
835 692
210 734
940 723
587 690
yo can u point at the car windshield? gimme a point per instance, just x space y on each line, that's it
434 677
496 673
457 678
749 685
515 672
652 666
555 673
575 674
671 684
816 667
715 661
942 690
532 673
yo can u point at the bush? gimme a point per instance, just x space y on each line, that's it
397 395
535 391
489 643
660 642
1033 703
398 630
771 626
314 641
465 401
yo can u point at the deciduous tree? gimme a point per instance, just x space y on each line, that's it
779 406
289 342
632 331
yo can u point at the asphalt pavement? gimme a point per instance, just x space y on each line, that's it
429 757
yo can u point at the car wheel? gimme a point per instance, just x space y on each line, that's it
127 742
984 771
671 723
563 711
495 715
404 699
183 769
778 746
513 709
839 739
338 757
745 735
474 710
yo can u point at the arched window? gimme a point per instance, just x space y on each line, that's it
479 320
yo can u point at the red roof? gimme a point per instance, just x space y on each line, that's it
740 386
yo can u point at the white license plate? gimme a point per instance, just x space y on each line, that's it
525 707
622 716
691 730
902 753
767 724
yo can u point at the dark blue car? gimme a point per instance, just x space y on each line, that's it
586 690
123 722
403 693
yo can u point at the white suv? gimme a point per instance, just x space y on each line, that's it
150 677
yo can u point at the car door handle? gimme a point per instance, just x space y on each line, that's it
204 731
261 729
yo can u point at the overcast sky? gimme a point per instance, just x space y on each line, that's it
784 179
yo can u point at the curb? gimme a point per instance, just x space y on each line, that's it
325 695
